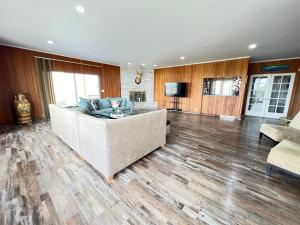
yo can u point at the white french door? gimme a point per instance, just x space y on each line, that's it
269 95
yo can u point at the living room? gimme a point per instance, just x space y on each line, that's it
200 127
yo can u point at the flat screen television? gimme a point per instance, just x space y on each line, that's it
176 89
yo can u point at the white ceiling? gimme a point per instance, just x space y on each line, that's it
154 31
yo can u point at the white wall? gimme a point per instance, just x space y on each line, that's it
127 82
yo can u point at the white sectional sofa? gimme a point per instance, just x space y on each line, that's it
279 133
109 145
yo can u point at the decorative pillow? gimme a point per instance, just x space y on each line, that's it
85 105
103 103
94 104
123 102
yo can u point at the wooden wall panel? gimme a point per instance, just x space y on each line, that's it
18 74
194 75
110 81
220 105
175 74
255 68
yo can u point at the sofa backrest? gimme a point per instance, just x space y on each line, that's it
295 123
133 137
64 125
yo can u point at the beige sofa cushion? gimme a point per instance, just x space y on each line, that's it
295 123
278 132
286 155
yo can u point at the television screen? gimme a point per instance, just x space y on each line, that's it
175 89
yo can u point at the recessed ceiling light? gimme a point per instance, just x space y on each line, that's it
182 57
143 64
129 63
252 46
154 65
80 9
50 42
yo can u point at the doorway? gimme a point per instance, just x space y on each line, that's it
269 95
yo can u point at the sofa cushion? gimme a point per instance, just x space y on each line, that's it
85 105
103 103
286 155
278 132
295 123
123 102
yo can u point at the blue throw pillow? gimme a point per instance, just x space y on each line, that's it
103 103
123 102
85 105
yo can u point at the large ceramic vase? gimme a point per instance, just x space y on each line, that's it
22 109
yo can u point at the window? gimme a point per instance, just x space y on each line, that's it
68 87
222 86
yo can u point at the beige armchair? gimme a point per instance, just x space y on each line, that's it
285 156
279 133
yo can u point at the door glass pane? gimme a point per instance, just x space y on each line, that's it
256 107
274 94
281 102
280 110
280 88
284 87
276 87
273 101
271 109
286 79
257 94
283 94
259 100
277 79
263 80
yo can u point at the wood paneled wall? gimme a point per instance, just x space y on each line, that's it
194 75
18 74
255 68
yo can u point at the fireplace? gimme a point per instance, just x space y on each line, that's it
137 96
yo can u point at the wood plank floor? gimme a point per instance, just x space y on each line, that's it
209 172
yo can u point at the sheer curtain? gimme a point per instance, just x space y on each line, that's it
43 68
